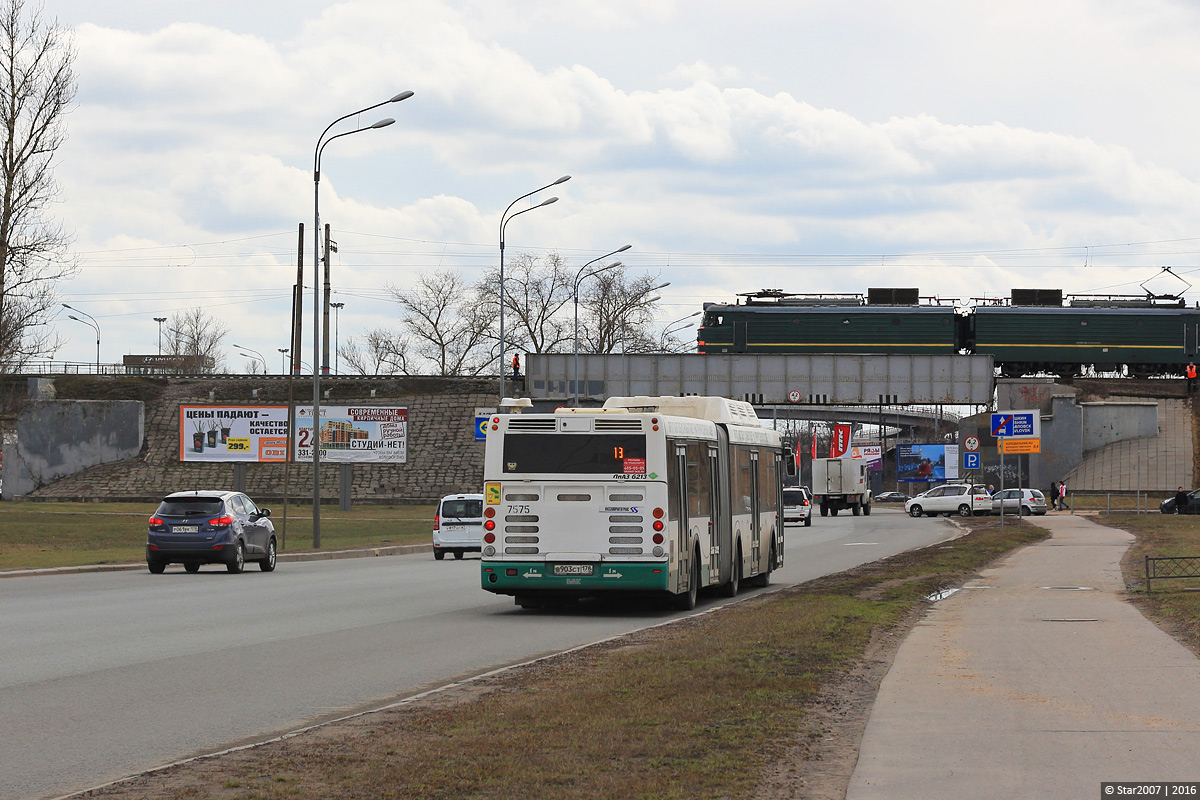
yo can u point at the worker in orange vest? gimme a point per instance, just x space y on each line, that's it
516 366
1191 378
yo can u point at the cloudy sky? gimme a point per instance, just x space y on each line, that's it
962 148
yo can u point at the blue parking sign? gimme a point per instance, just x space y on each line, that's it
970 460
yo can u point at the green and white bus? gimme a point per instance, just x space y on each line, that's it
660 495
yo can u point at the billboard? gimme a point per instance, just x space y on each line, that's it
233 433
927 463
354 434
871 453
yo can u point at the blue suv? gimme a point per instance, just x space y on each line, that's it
201 527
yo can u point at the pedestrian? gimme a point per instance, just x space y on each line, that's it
1191 378
1053 496
516 364
1062 497
1181 502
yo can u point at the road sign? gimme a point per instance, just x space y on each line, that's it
970 460
482 415
971 443
1010 447
794 395
1017 425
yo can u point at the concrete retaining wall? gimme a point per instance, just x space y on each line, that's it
56 438
443 456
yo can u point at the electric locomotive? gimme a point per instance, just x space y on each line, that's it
1031 332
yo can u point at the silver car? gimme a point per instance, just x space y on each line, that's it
797 507
1019 501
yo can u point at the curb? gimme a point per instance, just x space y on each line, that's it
319 555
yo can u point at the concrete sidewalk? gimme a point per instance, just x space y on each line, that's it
1035 681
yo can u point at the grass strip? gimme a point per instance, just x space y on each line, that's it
43 535
697 709
1174 604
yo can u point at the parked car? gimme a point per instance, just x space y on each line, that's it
951 498
458 525
891 497
1193 504
210 527
797 506
1019 501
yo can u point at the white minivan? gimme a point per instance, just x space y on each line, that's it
458 525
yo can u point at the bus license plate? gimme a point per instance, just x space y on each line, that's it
185 529
574 569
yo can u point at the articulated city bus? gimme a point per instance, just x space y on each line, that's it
662 495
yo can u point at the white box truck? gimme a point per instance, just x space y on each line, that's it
840 483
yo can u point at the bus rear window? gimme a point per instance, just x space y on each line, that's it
589 454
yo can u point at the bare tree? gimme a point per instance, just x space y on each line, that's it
194 333
536 290
379 352
617 314
447 324
37 86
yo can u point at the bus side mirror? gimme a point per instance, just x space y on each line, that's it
789 462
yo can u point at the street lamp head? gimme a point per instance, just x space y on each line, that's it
64 305
622 249
72 316
401 96
547 202
563 179
383 123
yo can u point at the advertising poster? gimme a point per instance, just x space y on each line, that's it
928 463
871 453
839 442
233 433
354 434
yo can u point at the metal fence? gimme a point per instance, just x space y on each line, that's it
1158 569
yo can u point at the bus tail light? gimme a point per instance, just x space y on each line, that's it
489 537
658 525
658 513
489 525
489 512
658 538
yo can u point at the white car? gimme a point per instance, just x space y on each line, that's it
952 498
797 507
458 525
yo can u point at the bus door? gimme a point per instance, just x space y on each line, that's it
677 501
718 533
755 509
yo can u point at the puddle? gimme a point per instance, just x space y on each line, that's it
942 595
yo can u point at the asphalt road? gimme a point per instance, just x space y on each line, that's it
107 674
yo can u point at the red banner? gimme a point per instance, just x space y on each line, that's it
840 443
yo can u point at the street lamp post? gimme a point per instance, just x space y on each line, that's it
93 323
257 355
337 313
667 331
505 218
160 321
283 351
316 443
579 276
